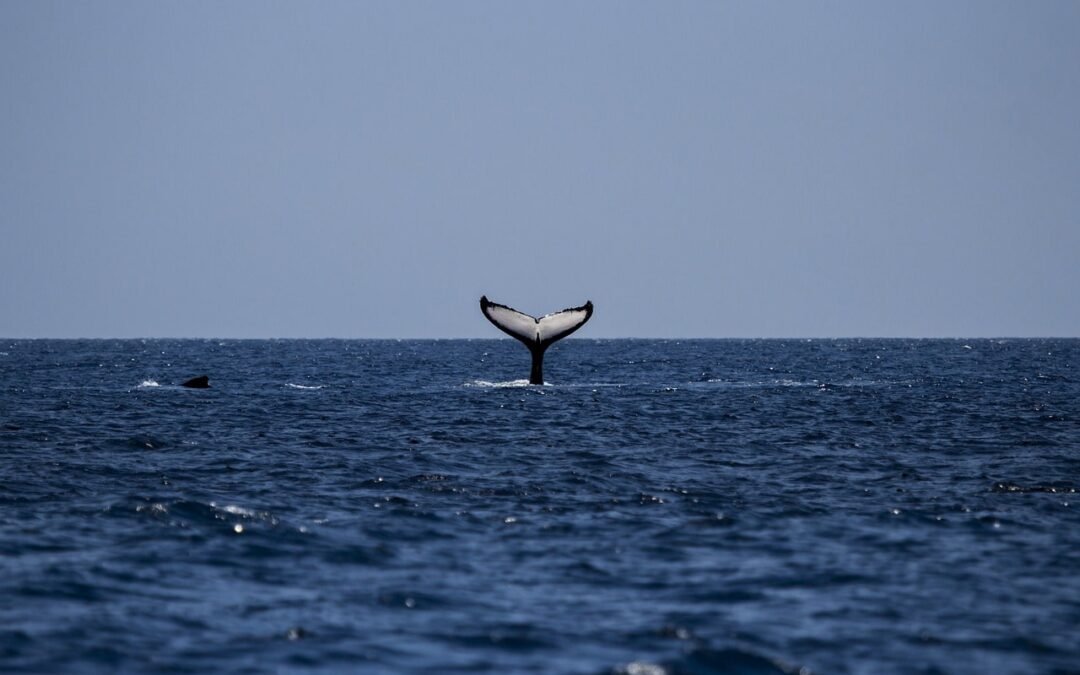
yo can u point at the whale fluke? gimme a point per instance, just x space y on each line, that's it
200 382
536 334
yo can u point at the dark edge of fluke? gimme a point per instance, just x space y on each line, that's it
535 345
200 382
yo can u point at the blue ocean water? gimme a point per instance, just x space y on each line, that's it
715 506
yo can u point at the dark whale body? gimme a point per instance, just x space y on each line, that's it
536 334
200 382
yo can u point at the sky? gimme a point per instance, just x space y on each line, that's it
370 169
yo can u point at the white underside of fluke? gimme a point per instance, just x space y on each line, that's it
530 330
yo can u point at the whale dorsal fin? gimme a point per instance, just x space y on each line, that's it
532 331
200 382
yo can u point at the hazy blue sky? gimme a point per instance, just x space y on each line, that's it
369 169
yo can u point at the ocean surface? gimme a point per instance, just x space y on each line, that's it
660 507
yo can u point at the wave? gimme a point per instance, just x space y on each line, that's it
736 384
707 661
305 387
188 513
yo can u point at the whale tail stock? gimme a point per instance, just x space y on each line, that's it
536 334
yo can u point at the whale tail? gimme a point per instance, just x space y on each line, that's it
536 334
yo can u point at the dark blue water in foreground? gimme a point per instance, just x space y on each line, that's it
847 506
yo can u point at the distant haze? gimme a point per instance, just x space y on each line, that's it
370 169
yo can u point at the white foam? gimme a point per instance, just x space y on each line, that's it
235 510
312 387
497 385
148 383
792 383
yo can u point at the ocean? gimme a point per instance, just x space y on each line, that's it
659 507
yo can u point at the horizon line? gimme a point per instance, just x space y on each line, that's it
579 338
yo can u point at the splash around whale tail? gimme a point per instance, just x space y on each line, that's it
536 333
